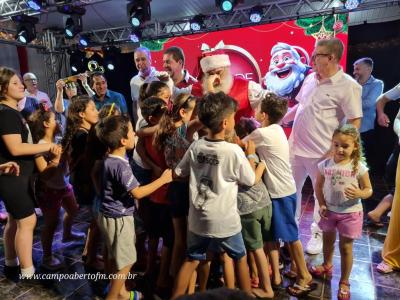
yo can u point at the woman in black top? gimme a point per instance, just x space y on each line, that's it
16 145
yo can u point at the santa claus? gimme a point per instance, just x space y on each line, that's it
216 77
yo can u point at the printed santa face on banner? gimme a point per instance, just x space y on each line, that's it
287 69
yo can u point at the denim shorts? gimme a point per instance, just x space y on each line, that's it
198 245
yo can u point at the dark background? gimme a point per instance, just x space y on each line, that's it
381 42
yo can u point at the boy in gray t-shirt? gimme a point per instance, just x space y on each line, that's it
118 189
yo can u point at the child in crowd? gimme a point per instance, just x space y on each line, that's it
173 138
82 115
215 168
272 147
52 187
342 182
119 189
255 210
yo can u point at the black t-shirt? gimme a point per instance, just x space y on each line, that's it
78 163
12 122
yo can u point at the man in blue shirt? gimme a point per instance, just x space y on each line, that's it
104 95
371 89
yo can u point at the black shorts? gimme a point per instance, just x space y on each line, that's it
160 223
178 196
16 192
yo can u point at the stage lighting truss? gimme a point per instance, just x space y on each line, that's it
26 30
139 11
352 4
197 23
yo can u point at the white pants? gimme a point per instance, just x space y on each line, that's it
302 167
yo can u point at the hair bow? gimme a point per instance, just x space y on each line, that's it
206 48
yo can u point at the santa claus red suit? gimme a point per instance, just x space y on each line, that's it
248 94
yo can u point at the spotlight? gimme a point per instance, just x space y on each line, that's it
77 61
197 23
26 31
35 4
139 11
256 14
135 36
352 4
73 25
110 57
83 40
226 5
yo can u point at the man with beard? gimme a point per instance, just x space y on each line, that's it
218 78
287 71
327 98
174 63
371 89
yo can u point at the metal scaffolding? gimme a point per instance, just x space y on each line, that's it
9 8
273 11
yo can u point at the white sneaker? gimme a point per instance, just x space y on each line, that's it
52 263
314 245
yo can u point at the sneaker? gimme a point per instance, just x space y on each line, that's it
314 245
52 263
12 273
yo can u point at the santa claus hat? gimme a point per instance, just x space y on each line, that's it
214 59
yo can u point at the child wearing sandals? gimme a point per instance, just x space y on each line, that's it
119 189
342 182
52 188
272 147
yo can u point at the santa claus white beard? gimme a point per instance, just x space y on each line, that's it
283 87
224 85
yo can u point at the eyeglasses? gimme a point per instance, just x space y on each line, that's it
315 55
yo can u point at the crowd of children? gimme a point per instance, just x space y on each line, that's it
227 197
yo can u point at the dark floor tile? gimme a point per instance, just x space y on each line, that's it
11 290
40 293
87 291
361 271
376 255
387 293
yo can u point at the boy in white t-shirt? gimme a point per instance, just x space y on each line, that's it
272 146
215 167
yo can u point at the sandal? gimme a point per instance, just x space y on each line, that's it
343 293
290 274
321 271
384 268
135 295
299 291
277 286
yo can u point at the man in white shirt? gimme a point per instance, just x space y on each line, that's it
32 90
146 73
390 95
327 99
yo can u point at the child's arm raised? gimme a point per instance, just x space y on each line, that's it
193 126
42 165
355 192
320 195
145 190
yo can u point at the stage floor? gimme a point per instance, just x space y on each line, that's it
366 282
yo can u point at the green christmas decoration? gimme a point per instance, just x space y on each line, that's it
154 45
322 26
